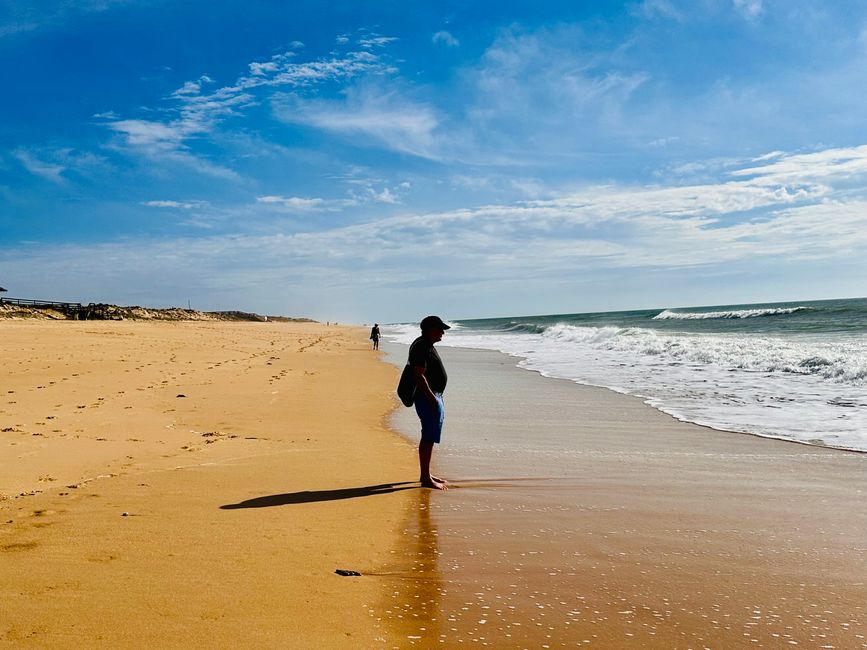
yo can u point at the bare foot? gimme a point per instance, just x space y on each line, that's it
434 485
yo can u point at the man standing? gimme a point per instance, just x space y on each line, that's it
430 378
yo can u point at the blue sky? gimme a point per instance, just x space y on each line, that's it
361 161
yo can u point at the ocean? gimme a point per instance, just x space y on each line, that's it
794 371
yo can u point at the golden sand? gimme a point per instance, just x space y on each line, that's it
195 485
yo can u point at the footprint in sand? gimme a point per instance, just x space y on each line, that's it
18 546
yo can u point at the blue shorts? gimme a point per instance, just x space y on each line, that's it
431 417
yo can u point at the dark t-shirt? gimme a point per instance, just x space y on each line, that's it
423 354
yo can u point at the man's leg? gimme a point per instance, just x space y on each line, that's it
425 451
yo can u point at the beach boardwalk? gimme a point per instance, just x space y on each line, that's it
73 310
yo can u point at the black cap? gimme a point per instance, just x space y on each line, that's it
430 322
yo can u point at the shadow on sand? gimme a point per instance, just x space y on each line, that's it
313 496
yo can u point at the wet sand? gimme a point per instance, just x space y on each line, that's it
580 517
196 485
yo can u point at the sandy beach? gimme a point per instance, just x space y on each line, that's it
195 485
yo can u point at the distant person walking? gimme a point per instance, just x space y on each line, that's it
374 336
430 378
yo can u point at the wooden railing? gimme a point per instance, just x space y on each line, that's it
69 309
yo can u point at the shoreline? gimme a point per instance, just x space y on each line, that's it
236 474
588 517
682 420
647 401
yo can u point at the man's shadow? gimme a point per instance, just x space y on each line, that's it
313 496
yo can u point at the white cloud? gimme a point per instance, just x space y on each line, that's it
375 40
749 9
282 70
192 87
153 136
536 95
47 170
792 215
530 187
54 164
302 204
180 205
261 69
199 114
390 120
816 166
384 196
446 38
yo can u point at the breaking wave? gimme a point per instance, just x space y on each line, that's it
737 313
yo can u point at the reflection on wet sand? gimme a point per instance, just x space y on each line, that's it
623 528
561 566
412 610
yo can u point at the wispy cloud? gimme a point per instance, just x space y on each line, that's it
153 137
54 164
361 191
375 40
198 111
178 205
533 95
769 214
17 16
385 118
816 166
49 171
749 9
446 38
305 204
658 8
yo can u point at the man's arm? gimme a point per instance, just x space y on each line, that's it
423 386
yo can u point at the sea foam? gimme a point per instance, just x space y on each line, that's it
807 388
737 313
